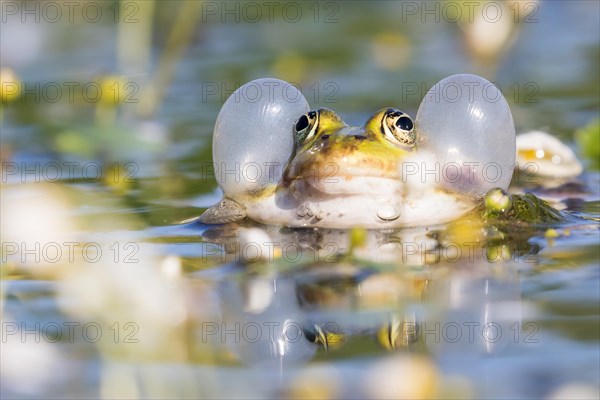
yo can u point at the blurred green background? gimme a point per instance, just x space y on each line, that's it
114 103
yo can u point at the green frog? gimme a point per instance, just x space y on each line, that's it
322 172
342 176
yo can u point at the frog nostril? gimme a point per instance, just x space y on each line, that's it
359 137
324 137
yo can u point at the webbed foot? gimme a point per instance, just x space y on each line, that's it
223 212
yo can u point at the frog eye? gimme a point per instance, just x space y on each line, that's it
306 127
399 128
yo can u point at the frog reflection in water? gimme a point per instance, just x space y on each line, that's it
334 175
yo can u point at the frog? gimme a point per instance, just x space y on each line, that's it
340 176
330 174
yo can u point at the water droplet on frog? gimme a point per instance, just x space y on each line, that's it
320 215
302 211
387 212
556 159
389 246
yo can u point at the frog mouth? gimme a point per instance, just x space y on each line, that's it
344 174
344 185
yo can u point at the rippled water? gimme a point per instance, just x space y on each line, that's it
108 290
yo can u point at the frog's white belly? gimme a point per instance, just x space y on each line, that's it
385 206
